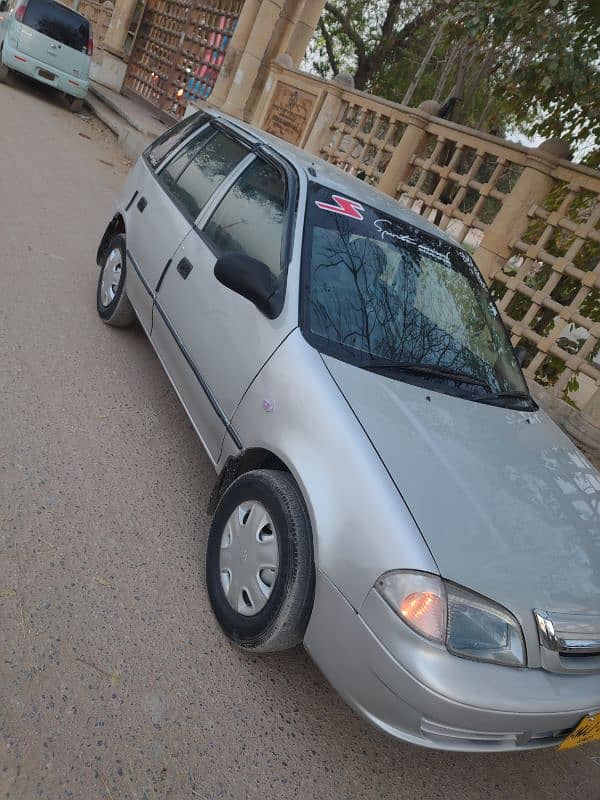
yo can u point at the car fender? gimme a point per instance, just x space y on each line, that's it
361 525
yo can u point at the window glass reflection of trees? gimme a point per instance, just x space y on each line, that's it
398 298
251 216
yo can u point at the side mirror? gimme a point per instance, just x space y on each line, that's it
250 278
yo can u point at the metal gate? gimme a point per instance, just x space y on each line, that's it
179 50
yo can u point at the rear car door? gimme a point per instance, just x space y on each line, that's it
56 36
224 340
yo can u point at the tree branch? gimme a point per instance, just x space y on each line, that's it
328 39
392 41
346 26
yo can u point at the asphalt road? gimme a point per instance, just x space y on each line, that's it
115 682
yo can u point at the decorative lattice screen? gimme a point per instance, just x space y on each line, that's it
179 51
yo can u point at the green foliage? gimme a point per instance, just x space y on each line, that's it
553 87
530 64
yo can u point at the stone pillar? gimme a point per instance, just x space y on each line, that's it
113 68
412 143
119 26
251 58
275 48
288 19
512 220
237 45
304 29
328 113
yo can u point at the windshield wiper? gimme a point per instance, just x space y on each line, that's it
422 369
508 396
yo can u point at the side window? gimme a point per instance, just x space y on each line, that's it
168 140
171 171
195 172
250 218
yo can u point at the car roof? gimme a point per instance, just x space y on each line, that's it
335 178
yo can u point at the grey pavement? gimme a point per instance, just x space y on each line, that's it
115 681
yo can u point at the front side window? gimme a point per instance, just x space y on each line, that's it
390 297
169 140
59 23
199 168
251 217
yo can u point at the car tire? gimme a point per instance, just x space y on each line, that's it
114 307
281 622
75 105
4 70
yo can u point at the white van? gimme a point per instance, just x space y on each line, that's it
49 42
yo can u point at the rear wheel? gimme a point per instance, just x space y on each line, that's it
259 562
75 104
111 299
4 70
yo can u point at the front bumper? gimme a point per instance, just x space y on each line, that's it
25 64
418 692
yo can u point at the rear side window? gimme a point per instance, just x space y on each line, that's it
169 140
251 217
59 23
195 172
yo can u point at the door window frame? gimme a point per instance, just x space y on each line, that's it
201 119
189 140
172 154
256 149
291 184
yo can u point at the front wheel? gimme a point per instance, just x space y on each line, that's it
112 302
259 562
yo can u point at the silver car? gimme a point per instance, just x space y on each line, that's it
388 492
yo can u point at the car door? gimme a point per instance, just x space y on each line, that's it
156 221
222 338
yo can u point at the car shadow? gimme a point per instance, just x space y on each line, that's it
44 93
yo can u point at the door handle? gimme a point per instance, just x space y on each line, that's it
184 268
141 204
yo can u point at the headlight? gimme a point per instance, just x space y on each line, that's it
467 623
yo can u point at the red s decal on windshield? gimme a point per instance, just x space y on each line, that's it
342 205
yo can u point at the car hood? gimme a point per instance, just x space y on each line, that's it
508 506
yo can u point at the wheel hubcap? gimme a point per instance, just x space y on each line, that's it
249 558
111 277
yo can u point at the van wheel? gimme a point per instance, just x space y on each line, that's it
111 299
259 562
75 105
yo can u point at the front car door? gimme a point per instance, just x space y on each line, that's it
222 338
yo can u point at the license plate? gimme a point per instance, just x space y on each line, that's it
43 73
588 730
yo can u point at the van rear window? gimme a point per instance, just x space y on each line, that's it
59 23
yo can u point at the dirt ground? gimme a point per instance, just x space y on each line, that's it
115 682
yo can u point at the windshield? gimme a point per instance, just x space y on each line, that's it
385 295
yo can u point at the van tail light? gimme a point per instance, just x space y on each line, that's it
90 47
20 11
